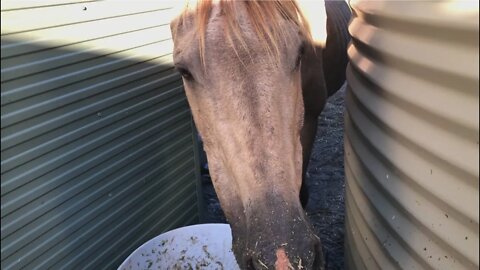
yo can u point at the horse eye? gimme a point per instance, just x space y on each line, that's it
301 52
185 73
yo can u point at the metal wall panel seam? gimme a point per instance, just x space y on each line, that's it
27 65
76 98
71 245
101 242
43 204
55 78
182 202
15 179
187 217
34 128
97 140
66 17
73 227
43 144
77 104
21 220
11 5
50 39
172 225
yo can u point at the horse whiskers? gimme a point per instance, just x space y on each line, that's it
262 264
300 266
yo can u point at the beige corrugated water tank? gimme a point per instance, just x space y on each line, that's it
411 143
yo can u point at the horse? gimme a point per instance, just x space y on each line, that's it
256 80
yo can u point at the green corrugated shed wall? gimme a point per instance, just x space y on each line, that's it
97 146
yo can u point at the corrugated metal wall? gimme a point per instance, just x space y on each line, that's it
97 145
411 147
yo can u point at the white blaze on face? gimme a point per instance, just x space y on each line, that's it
314 12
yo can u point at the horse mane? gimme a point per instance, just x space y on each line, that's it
264 16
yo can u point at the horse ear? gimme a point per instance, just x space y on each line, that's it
179 8
335 58
175 25
173 29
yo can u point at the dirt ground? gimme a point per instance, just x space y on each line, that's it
326 181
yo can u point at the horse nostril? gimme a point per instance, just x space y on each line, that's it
249 264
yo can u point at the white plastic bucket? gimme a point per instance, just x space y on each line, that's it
204 246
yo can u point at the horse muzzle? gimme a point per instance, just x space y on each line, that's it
278 236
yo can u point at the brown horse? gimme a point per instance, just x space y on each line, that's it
256 82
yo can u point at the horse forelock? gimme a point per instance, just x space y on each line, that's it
264 16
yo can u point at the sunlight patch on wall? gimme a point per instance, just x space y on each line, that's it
120 27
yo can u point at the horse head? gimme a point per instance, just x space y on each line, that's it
241 64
